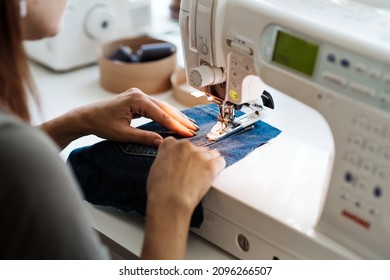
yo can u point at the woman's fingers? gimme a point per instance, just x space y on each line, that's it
144 137
176 114
182 172
147 108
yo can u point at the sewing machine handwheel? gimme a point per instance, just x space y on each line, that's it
267 100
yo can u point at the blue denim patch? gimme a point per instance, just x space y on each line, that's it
114 174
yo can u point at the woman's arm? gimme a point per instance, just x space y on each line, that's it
111 120
66 128
166 231
41 210
179 178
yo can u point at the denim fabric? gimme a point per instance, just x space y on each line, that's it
114 174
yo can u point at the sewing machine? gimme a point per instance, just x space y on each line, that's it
87 24
289 199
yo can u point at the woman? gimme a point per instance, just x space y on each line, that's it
40 206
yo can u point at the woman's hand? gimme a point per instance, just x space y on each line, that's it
182 174
111 119
179 178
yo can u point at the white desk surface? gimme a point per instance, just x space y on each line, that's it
60 92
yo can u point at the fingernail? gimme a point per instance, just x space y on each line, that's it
157 142
193 132
194 121
196 126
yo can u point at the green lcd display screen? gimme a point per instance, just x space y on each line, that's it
295 53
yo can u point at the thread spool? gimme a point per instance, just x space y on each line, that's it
151 52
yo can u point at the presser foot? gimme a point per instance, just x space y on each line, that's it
222 130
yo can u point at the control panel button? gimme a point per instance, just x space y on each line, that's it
362 90
357 140
362 184
335 79
359 203
372 146
375 74
345 63
361 68
374 210
386 154
367 165
377 192
331 58
352 158
241 48
362 121
344 195
382 173
348 177
377 127
384 98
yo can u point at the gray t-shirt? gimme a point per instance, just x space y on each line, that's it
41 209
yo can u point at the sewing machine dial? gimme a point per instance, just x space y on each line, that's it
206 75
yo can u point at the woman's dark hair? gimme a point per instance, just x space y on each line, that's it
15 79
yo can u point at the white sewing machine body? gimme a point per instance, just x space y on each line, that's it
335 57
89 23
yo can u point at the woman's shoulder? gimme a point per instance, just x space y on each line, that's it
17 136
10 125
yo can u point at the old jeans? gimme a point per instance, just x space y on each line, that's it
114 174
